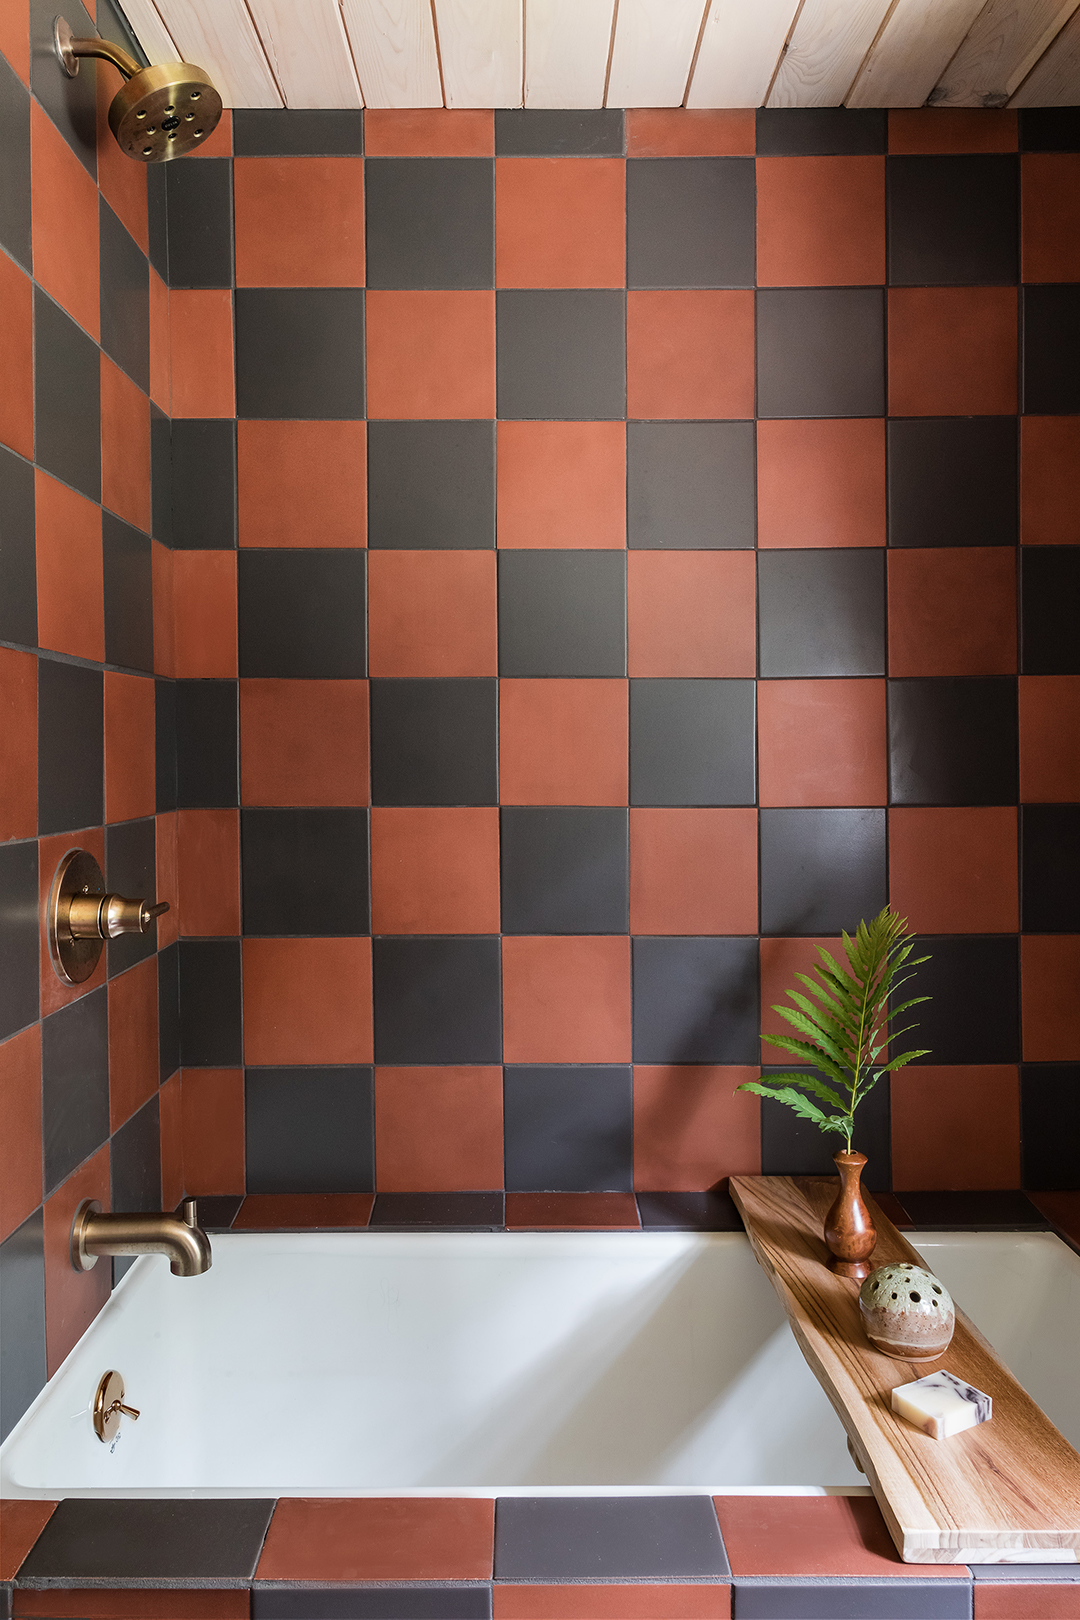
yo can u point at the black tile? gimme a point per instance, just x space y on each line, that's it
1050 594
819 131
550 132
569 1128
690 486
821 612
135 1161
564 871
973 1015
202 484
131 869
695 1000
791 1146
18 553
74 1085
206 745
562 613
112 24
157 218
953 481
460 1211
129 606
821 351
690 222
821 870
561 354
1050 129
160 476
310 1130
70 103
125 298
853 1599
168 1011
71 747
303 614
412 1602
217 1213
22 1301
689 1212
289 132
431 485
434 742
14 165
19 965
200 214
1051 348
91 1540
1050 869
557 1538
1050 1125
300 352
953 221
1025 1573
1004 1210
691 742
430 222
67 398
210 1009
165 745
437 1000
953 741
305 871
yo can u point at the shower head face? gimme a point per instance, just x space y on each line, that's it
164 112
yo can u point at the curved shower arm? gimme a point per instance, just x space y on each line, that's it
69 51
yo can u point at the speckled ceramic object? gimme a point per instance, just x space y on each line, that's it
906 1312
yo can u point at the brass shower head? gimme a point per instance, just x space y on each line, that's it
159 112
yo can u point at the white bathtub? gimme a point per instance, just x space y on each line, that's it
484 1364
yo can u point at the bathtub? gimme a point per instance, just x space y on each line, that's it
493 1364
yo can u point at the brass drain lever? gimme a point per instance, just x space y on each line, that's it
109 1407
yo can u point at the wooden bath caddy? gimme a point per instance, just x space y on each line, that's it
1010 1484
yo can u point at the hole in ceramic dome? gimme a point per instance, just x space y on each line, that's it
894 1296
916 1299
936 1289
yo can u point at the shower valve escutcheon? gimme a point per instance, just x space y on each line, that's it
81 916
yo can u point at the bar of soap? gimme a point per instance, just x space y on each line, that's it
942 1405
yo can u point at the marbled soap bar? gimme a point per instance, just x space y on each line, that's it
942 1405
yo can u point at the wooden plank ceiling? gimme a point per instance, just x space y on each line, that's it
623 53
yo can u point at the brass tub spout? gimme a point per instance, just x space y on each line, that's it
141 1232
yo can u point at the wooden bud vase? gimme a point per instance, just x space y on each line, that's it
849 1232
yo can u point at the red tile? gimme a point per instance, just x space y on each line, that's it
822 743
64 210
575 1212
168 924
954 871
23 1523
692 1128
121 182
204 614
70 588
220 143
212 1130
429 132
51 851
18 726
20 1128
821 483
781 960
952 611
161 565
1049 457
690 132
16 358
952 129
563 742
125 447
1050 738
299 221
170 1113
208 871
691 613
814 1535
952 351
15 45
201 352
73 1298
431 354
133 1041
1063 1209
561 485
160 382
693 871
1050 988
820 221
690 354
1050 216
560 222
566 999
303 742
581 1602
438 1129
1021 1600
280 1212
130 785
307 1001
302 483
432 613
435 870
956 1127
98 1604
380 1539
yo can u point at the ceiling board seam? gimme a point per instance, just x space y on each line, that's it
524 22
352 52
438 50
1013 83
942 76
870 51
1019 85
265 52
697 53
610 51
783 53
165 28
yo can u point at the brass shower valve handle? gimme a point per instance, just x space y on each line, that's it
107 916
81 916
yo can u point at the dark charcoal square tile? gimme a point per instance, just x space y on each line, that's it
18 553
71 747
129 607
695 1000
562 613
821 612
821 870
160 476
88 1540
74 1085
430 222
1050 1125
690 222
333 1152
953 741
648 1538
791 1146
560 354
23 1369
434 742
973 1015
303 614
437 1000
431 485
125 298
207 744
217 1214
169 1011
953 481
461 1211
135 1161
165 745
67 398
953 221
1025 1573
690 486
1049 129
412 1602
300 352
14 166
70 103
202 484
292 132
688 1212
820 131
1051 372
157 205
904 1599
131 869
210 1004
821 351
1050 869
551 132
569 1129
199 202
1050 594
565 871
691 742
305 872
19 972
1004 1210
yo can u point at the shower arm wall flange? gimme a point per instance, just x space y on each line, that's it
69 51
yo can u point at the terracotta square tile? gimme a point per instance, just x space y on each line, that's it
438 1130
1050 216
432 613
684 132
820 221
1035 1600
161 567
435 871
73 1298
954 871
15 44
821 483
16 358
781 960
956 1127
1049 456
208 871
276 1212
692 1128
160 380
168 924
952 351
299 221
212 1126
204 614
220 143
64 212
125 447
560 222
691 613
563 742
430 355
690 354
51 851
952 129
380 1539
304 742
18 726
822 743
429 132
813 1535
1050 738
566 1000
201 352
140 1604
130 784
121 182
70 588
23 1523
171 1120
1050 982
302 483
307 1001
133 1040
20 1129
693 871
952 611
561 485
575 1212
